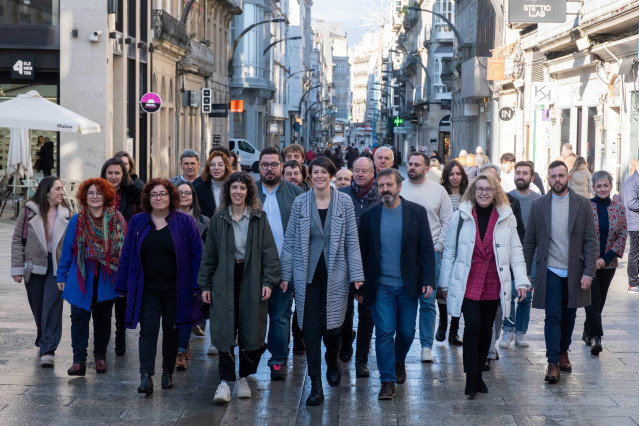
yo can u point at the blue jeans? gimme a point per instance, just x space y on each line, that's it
560 320
279 315
428 311
518 319
185 338
394 314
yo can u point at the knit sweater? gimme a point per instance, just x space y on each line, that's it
558 244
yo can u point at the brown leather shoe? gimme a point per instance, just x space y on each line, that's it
552 376
564 362
180 361
387 391
77 369
188 352
100 366
400 372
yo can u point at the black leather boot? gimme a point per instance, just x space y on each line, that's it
146 384
167 380
120 342
471 385
481 386
316 396
453 337
596 347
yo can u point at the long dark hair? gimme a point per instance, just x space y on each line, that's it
252 200
446 173
195 206
126 177
41 200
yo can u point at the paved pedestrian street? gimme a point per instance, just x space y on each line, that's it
601 390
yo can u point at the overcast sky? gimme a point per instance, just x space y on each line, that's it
349 13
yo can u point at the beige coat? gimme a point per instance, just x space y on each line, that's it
580 182
32 258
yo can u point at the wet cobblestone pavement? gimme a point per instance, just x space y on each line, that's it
601 390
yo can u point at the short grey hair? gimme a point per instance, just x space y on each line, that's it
382 149
490 166
391 172
600 175
189 153
369 162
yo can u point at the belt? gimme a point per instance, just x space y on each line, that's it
239 260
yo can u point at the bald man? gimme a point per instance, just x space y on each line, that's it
343 178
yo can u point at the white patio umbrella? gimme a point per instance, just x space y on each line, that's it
19 155
32 111
338 139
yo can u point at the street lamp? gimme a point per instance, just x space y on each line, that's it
412 58
279 41
242 34
458 35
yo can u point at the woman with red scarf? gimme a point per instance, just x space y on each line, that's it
88 268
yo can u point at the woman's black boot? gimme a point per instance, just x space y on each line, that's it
471 385
316 396
481 386
146 384
453 337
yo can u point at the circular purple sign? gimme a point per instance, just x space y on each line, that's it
151 102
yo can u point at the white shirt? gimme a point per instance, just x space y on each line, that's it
435 199
274 216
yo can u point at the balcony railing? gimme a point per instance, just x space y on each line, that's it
200 55
168 28
593 8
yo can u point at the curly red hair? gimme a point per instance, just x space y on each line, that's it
145 197
102 185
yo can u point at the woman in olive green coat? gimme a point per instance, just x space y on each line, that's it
239 268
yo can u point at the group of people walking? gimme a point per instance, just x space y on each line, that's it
224 248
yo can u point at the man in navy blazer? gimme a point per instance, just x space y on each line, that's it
398 257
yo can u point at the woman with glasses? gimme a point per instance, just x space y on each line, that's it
35 250
189 205
127 199
321 258
239 269
481 248
158 276
208 187
87 271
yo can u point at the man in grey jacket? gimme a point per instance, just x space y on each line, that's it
277 198
562 230
631 202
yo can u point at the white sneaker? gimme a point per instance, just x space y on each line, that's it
427 355
520 340
506 338
212 350
222 394
242 390
47 360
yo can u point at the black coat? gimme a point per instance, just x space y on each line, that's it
205 197
372 199
130 202
46 156
418 252
516 208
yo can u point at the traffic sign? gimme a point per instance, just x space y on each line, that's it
206 102
506 114
150 102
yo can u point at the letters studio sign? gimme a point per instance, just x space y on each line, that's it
537 11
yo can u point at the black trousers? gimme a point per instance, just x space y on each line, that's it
315 328
156 305
120 314
443 319
365 327
249 360
599 292
297 333
479 317
101 313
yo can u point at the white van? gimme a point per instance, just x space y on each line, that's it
249 155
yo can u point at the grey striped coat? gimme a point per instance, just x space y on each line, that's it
344 264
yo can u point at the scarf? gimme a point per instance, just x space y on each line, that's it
360 193
99 240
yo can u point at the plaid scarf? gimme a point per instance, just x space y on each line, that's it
99 240
361 193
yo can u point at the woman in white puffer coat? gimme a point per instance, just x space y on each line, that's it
482 246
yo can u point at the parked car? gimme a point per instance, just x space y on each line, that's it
249 155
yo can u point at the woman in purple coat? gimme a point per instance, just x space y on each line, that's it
158 273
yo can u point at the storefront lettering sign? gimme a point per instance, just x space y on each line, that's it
537 11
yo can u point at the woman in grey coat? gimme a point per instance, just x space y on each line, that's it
322 238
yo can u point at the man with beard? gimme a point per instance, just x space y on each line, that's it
363 192
399 262
434 198
561 229
516 325
277 198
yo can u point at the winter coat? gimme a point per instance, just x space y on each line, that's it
580 182
617 231
261 269
205 197
188 251
68 274
582 250
137 182
343 263
32 258
129 201
454 271
360 206
569 160
631 201
46 156
285 194
434 175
